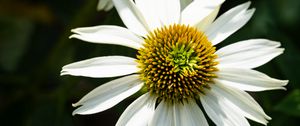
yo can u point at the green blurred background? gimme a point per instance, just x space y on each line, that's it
34 45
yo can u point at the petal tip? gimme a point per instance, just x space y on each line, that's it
74 30
247 4
74 113
251 11
62 73
75 104
283 88
268 118
284 82
72 36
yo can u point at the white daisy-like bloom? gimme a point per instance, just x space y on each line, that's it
177 66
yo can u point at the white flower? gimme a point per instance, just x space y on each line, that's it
177 64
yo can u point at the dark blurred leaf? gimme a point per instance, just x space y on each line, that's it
15 34
291 104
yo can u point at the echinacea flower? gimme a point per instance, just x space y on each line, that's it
177 65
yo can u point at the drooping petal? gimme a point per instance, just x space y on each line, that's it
100 67
131 16
247 107
248 54
105 5
248 80
221 114
138 113
159 12
229 22
178 114
108 95
191 115
163 115
195 12
108 35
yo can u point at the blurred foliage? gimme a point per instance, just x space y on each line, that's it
34 45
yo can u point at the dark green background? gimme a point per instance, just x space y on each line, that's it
34 45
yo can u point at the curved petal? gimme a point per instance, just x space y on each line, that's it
248 54
238 102
229 22
108 35
221 114
131 16
163 115
107 66
108 95
138 113
248 80
206 22
105 5
198 10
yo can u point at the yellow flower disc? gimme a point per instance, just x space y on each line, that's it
177 62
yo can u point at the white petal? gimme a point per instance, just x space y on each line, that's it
248 54
198 10
212 109
163 115
104 5
178 114
131 16
206 22
108 95
109 6
249 44
238 102
169 11
159 12
248 80
191 115
229 22
138 113
149 9
221 114
108 35
107 66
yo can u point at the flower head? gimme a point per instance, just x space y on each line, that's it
178 64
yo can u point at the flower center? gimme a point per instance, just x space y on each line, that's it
177 62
